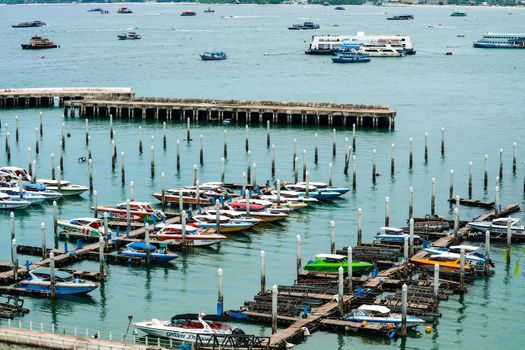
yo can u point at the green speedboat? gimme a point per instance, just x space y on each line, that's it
330 263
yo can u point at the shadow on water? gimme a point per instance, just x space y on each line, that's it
461 313
103 300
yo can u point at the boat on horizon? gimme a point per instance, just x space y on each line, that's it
129 36
124 10
330 263
400 17
458 14
188 13
32 24
186 327
65 283
382 315
39 43
339 8
209 10
213 56
304 26
501 41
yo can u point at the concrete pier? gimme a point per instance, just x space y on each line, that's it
296 113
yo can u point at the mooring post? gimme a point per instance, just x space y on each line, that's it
52 159
332 237
307 190
128 215
278 189
359 226
29 162
87 131
247 137
89 147
354 172
341 291
225 144
433 198
197 194
411 202
254 177
470 180
334 142
347 157
95 204
14 257
410 153
405 255
37 142
393 160
263 272
442 142
188 135
296 170
462 269
17 124
501 164
114 154
106 225
274 309
183 216
509 237
436 284
152 166
411 236
217 216
349 267
404 306
220 297
52 281
451 188
247 198
249 166
111 126
330 174
243 183
496 202
43 239
33 177
90 175
374 166
353 138
195 174
63 136
514 145
8 145
222 170
101 256
132 191
523 179
146 240
163 188
316 149
178 155
304 164
61 160
181 204
201 149
298 256
426 147
487 251
294 154
485 172
164 136
387 211
458 201
41 125
268 138
456 224
122 169
273 160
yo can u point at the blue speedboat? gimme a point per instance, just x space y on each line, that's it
381 315
42 191
138 250
394 235
213 56
65 283
325 193
14 193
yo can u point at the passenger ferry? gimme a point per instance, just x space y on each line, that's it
374 45
501 41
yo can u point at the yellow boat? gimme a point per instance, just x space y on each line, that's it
446 262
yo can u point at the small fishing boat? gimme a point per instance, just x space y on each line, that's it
7 203
330 263
172 234
39 43
226 225
188 13
124 10
498 227
16 193
85 226
129 36
42 190
400 18
213 56
65 283
394 235
209 10
63 186
16 172
339 8
32 24
458 14
139 250
448 263
139 211
304 26
188 196
381 315
186 327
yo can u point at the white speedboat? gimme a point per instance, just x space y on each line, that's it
226 225
16 172
66 188
235 216
394 235
6 203
14 193
325 186
380 315
85 226
172 234
42 190
65 284
499 226
186 327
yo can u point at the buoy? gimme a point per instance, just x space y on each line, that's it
428 329
363 323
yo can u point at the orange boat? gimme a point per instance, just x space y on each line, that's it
447 263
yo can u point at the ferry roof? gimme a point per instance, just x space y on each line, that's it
375 308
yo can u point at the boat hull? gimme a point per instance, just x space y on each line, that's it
357 267
60 289
155 257
178 334
32 47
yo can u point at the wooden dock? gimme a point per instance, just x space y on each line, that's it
246 112
44 97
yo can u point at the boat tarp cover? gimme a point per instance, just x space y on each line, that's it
196 317
141 245
45 271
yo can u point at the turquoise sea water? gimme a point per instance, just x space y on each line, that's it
477 95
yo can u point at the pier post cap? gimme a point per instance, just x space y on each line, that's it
411 189
514 144
456 211
387 199
411 221
222 159
225 131
194 166
29 148
497 188
163 175
436 267
304 151
316 135
178 142
132 183
374 151
90 161
101 239
273 146
307 172
359 211
42 225
457 197
106 215
220 272
470 164
54 203
40 113
354 157
330 165
410 140
426 133
13 241
298 238
262 253
152 147
254 165
274 289
332 224
349 249
52 255
433 181
501 150
12 215
340 270
183 212
128 201
486 156
52 154
404 288
393 145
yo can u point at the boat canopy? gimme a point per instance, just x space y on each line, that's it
391 229
467 247
140 245
45 271
335 257
36 187
375 308
202 316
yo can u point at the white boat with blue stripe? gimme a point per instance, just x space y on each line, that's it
65 283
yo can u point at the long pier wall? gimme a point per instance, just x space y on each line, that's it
289 113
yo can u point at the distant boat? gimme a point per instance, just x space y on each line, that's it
501 41
304 26
39 43
209 10
128 36
339 8
214 56
32 24
458 14
326 4
98 9
400 18
188 13
124 10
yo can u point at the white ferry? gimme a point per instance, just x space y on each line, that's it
501 41
374 45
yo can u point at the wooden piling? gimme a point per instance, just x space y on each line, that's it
274 309
152 162
442 142
17 124
350 268
487 251
456 224
249 166
43 240
178 155
52 286
87 130
33 176
55 223
405 255
298 256
128 215
268 138
273 160
307 190
95 204
436 283
220 297
29 162
247 136
426 147
411 237
404 306
52 159
374 166
132 190
263 272
496 202
485 172
222 169
462 269
147 241
294 154
334 143
197 194
296 170
316 149
387 211
183 217
37 143
393 160
63 136
163 188
340 291
304 165
90 175
90 154
201 149
164 136
111 126
225 144
8 146
410 202
101 257
330 174
451 188
433 198
470 180
514 145
278 188
353 138
41 125
254 177
410 153
332 237
140 139
359 226
188 134
122 169
354 172
509 238
501 164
